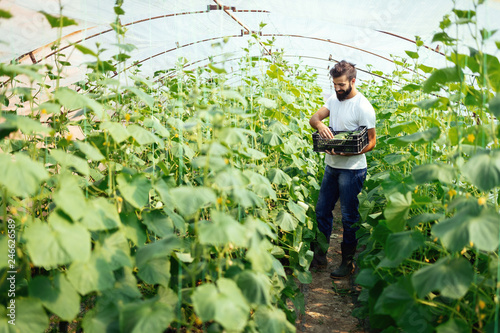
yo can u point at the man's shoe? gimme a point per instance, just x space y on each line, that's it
346 268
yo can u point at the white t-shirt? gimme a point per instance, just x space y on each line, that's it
348 115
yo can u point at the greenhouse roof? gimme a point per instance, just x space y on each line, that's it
315 33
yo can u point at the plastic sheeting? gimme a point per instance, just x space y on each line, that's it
314 33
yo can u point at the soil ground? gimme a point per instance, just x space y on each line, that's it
329 302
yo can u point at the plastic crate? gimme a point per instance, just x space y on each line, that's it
353 143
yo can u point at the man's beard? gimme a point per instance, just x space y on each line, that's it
342 96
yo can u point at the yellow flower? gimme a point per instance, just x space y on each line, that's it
44 111
119 199
24 219
219 201
471 138
464 250
452 193
481 201
226 161
176 135
127 117
471 244
482 304
69 136
13 210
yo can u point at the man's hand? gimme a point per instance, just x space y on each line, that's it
324 132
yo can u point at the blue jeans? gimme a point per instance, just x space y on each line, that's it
345 185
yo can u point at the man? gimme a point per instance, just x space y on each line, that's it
345 173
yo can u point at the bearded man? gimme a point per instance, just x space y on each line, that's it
345 173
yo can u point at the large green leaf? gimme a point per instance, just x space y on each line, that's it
135 189
153 260
286 221
396 158
247 198
427 173
70 199
145 97
70 161
162 189
143 136
91 152
420 137
267 103
298 211
222 230
256 287
188 200
72 100
272 320
469 225
234 95
454 326
401 245
25 124
57 242
272 139
101 215
409 127
158 222
92 275
116 130
396 298
104 317
441 77
483 170
146 316
57 294
223 303
278 176
450 276
397 210
233 136
29 316
115 249
21 176
58 21
494 105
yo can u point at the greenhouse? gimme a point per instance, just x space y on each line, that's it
168 166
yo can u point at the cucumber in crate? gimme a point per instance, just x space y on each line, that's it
343 141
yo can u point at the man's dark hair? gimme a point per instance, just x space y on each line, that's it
343 68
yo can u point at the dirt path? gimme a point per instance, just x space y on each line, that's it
329 303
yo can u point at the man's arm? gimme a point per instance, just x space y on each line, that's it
317 124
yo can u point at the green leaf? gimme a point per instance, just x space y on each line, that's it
483 170
104 317
452 277
272 320
279 177
397 210
25 124
146 316
396 158
158 222
222 230
57 242
411 54
441 77
5 14
58 22
454 326
56 294
247 198
234 95
145 97
101 215
67 160
92 275
286 221
155 124
91 152
72 100
494 105
70 199
117 131
115 249
267 103
468 225
408 127
396 298
272 139
30 316
427 173
85 50
133 228
401 245
188 200
256 287
153 260
142 136
21 176
135 189
424 218
223 303
298 211
233 136
421 137
217 69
